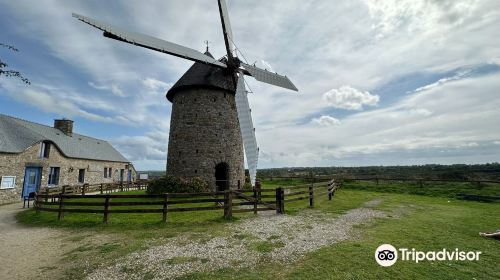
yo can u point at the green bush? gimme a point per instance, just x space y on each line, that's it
172 184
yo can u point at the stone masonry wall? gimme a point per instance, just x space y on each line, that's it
15 164
204 131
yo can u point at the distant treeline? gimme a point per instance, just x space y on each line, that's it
489 171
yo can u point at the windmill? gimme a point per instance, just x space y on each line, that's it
226 74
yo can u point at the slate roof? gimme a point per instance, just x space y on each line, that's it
16 135
205 75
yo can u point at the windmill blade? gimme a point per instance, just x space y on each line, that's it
226 27
247 130
150 42
269 77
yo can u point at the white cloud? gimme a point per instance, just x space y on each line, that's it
326 121
48 103
315 43
113 88
349 98
413 130
267 65
440 82
151 146
496 142
156 85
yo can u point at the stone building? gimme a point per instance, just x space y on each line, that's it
205 138
34 155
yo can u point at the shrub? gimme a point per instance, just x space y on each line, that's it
172 184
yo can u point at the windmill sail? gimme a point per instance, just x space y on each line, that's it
269 77
226 27
247 130
150 42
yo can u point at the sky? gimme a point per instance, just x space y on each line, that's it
393 82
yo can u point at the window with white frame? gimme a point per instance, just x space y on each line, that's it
45 150
54 176
8 182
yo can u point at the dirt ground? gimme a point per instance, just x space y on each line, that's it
29 252
39 253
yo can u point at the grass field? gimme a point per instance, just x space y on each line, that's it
429 223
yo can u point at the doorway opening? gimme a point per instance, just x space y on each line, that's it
222 176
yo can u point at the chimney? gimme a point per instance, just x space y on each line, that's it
65 126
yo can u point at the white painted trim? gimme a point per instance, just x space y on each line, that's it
9 187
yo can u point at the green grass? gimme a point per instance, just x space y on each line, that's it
442 189
430 223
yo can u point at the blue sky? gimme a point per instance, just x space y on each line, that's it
381 82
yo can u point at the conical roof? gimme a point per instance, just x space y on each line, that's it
203 75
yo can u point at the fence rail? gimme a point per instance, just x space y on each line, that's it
376 179
230 201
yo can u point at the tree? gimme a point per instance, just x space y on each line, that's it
8 72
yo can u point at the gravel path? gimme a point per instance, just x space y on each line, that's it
28 252
281 238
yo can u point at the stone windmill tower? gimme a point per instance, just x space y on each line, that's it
211 121
205 138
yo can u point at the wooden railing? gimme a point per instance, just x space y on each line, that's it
93 188
231 201
377 179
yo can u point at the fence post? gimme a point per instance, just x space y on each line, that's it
278 200
330 191
228 204
106 209
282 203
35 203
255 200
47 194
84 188
258 186
100 188
165 203
311 197
60 213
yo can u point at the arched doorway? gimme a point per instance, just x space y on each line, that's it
222 176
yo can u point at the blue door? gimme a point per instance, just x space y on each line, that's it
129 176
32 178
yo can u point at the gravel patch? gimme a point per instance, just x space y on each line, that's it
282 238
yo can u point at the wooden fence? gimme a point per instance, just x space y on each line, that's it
418 181
93 188
231 201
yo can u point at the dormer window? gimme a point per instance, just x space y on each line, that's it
45 150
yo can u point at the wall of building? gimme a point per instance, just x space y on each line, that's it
15 164
204 131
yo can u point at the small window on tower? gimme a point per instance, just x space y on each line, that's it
196 150
195 171
215 99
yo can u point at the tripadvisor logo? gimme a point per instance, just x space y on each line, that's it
387 255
